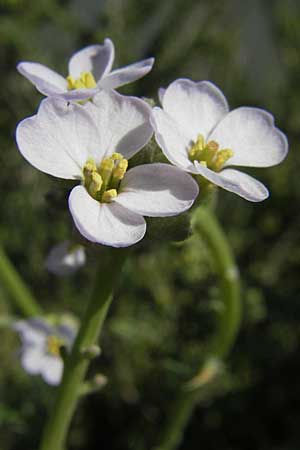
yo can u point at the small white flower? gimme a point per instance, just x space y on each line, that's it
41 344
93 143
65 258
197 132
89 71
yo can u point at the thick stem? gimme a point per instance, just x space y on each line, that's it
16 287
69 391
206 225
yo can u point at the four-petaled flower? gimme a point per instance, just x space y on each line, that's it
65 258
197 133
41 347
93 142
89 71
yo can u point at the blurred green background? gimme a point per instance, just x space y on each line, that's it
165 306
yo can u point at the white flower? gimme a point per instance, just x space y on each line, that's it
92 143
197 132
89 71
65 258
41 344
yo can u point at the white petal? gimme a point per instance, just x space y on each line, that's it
59 139
52 369
33 331
105 223
171 138
157 190
32 360
161 93
97 59
251 134
67 331
78 94
65 259
123 122
45 80
235 181
196 107
126 74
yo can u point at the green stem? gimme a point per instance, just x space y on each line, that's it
206 225
229 319
16 287
69 391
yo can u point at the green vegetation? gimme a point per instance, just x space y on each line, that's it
164 312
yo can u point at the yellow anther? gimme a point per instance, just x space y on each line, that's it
200 143
106 167
102 182
197 149
95 184
208 154
86 80
71 82
222 157
53 345
120 170
89 167
116 156
107 164
107 196
212 146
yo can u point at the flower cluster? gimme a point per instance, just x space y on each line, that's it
86 131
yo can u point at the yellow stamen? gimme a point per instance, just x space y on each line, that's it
120 170
95 184
116 156
86 80
107 196
54 345
71 82
209 154
102 182
221 158
212 146
89 168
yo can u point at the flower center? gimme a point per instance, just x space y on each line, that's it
86 80
103 182
209 154
53 345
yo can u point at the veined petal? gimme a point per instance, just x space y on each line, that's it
235 181
172 140
251 134
126 74
195 107
52 369
59 139
105 223
97 59
124 121
157 190
47 81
